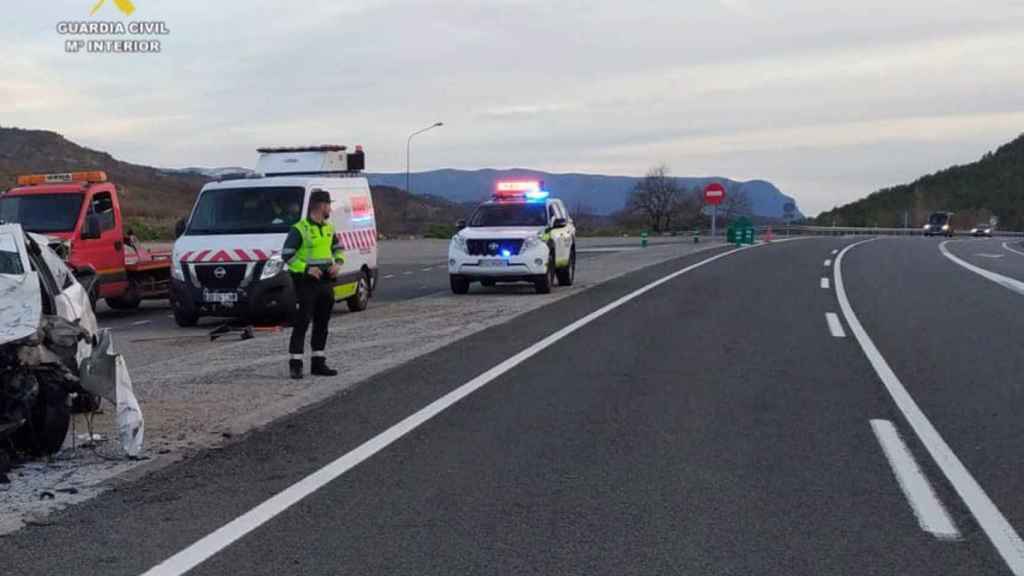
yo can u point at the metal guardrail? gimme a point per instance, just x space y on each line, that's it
855 231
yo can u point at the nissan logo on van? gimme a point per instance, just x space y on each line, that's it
219 272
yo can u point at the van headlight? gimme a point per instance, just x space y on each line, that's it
459 243
177 272
272 268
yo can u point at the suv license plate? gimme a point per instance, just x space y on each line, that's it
493 263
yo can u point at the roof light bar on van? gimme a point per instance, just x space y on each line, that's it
91 177
323 148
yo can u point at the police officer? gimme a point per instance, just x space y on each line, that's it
314 256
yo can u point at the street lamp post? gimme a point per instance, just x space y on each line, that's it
408 155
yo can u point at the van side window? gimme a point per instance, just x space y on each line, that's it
103 206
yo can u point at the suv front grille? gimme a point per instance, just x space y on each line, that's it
493 247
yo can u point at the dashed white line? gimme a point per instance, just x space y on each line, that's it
1004 281
824 284
141 322
407 273
426 270
999 531
930 513
828 263
389 276
836 251
224 536
1006 245
834 325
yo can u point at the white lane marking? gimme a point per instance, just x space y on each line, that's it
836 251
828 263
609 249
824 284
389 276
224 536
407 273
426 270
834 325
1004 281
141 322
983 255
931 514
996 527
1006 245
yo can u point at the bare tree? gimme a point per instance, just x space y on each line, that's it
658 197
737 203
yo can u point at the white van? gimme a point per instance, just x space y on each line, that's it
226 260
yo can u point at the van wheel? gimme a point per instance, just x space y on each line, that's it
460 285
361 299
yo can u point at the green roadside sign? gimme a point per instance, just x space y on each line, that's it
741 231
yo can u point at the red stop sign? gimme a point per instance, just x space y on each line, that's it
714 193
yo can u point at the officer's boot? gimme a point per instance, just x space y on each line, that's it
320 367
295 367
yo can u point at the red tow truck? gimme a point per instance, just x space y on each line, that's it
81 211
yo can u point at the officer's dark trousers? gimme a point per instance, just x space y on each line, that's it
315 301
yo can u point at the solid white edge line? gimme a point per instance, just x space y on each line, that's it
1006 245
931 514
224 536
828 263
1004 281
824 283
992 522
834 325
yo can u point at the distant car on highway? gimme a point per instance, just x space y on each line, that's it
940 224
982 230
521 235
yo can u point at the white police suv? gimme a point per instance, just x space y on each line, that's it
520 235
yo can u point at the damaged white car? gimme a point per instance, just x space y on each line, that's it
52 355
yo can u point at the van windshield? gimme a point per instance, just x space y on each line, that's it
42 213
938 219
259 210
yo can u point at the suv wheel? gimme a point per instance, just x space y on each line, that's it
460 285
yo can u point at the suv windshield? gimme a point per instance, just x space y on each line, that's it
938 219
42 213
524 214
261 210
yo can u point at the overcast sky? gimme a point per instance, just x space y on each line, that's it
828 100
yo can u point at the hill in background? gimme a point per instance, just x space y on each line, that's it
153 199
592 193
992 186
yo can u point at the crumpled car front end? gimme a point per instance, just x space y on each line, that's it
51 352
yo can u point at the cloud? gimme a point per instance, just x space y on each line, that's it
735 87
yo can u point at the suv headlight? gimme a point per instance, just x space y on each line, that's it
459 243
272 268
945 226
177 272
531 243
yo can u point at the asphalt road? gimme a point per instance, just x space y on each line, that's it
717 423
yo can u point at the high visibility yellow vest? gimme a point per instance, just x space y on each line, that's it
316 246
